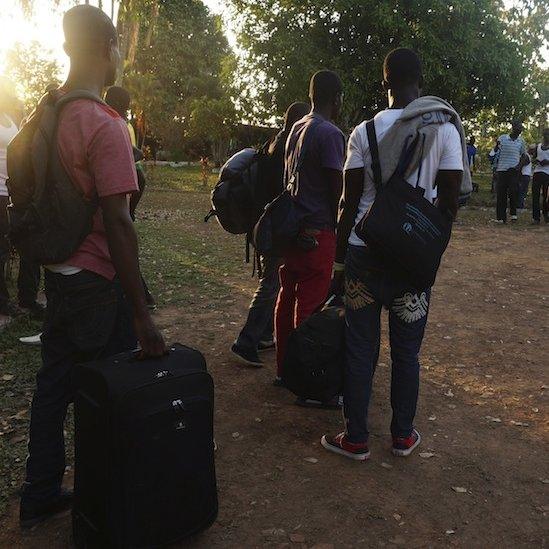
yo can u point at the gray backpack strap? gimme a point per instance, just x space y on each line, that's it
75 95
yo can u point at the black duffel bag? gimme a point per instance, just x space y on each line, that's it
402 226
315 356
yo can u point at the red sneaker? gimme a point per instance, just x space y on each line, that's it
340 445
403 447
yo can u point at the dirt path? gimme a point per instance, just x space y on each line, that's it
482 413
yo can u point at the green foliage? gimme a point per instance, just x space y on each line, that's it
182 58
471 55
32 69
213 120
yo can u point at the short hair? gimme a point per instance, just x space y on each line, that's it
402 67
325 86
86 28
118 98
296 111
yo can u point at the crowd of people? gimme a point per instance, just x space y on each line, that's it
513 164
98 304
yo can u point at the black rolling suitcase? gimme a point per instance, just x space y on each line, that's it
144 451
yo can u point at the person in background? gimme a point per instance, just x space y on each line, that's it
119 99
493 159
524 183
370 282
28 279
257 333
471 153
306 271
96 304
511 159
540 182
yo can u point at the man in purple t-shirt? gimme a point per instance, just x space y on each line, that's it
315 153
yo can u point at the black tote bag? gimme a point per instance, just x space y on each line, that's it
402 226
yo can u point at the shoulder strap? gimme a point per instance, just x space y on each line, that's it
305 142
374 152
75 95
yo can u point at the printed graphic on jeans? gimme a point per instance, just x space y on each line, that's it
411 307
357 295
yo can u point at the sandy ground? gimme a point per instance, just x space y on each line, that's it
482 414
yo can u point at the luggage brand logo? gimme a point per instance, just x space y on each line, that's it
407 227
162 373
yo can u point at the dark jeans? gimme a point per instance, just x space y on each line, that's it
369 287
540 184
507 188
86 319
28 279
259 324
524 183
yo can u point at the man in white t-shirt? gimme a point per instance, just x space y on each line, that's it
524 183
370 284
540 182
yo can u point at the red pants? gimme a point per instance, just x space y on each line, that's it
305 279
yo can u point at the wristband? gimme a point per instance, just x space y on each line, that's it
339 267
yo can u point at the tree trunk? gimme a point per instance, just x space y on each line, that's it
152 23
121 29
133 41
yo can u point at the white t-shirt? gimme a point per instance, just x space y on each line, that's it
542 155
7 133
445 154
527 168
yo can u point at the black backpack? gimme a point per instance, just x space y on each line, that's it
280 224
237 198
315 357
49 216
404 228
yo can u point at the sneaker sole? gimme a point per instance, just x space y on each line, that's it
408 451
309 403
242 360
265 349
342 452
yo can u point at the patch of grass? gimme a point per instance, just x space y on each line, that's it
187 178
18 366
183 258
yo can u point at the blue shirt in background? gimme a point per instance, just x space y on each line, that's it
471 153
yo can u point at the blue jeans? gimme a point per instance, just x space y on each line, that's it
260 323
86 319
368 287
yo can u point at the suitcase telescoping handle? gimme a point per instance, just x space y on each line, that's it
137 356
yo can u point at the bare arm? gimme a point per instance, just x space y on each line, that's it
352 192
123 247
334 179
524 161
448 183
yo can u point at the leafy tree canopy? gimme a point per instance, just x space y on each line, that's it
32 70
182 59
473 55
